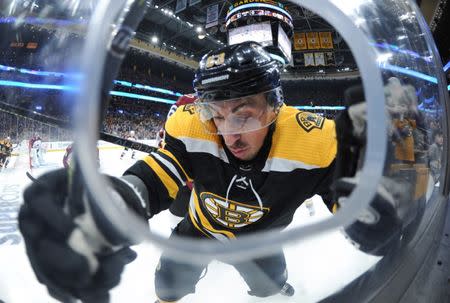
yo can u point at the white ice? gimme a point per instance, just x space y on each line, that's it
317 267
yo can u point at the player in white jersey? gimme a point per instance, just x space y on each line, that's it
131 137
36 151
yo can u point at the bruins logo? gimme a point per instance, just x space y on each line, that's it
229 213
309 121
189 108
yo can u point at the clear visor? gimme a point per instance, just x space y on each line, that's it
241 115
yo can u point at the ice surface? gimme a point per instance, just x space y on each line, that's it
317 267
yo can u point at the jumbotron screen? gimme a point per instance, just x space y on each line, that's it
258 32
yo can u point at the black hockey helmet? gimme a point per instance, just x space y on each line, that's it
244 72
236 71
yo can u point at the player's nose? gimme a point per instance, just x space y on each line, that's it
231 139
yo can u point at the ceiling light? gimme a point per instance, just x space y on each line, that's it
201 36
199 29
154 39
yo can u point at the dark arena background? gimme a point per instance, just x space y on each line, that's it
43 55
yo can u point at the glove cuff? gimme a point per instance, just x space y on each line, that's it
124 195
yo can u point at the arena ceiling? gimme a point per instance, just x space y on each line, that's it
178 30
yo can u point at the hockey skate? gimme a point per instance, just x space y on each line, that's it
287 290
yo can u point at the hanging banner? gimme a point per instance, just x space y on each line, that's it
329 59
300 41
212 15
309 59
180 6
312 39
320 59
326 41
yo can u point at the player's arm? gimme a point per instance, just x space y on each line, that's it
93 250
162 173
378 228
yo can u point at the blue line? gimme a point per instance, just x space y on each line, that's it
448 87
399 50
124 83
36 85
37 72
78 76
141 97
447 66
409 72
157 89
71 88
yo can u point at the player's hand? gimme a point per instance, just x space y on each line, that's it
78 257
378 228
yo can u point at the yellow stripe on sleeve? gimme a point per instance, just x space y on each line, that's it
168 182
171 156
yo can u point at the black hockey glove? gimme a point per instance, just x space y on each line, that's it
81 257
379 227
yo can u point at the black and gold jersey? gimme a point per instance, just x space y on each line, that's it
5 147
233 197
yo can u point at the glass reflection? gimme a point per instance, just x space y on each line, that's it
412 174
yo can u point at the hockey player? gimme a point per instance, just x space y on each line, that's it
68 156
36 151
5 152
247 153
131 137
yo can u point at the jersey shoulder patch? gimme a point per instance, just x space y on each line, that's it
304 137
310 121
190 108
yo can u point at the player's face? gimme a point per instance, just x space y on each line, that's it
238 116
245 146
243 123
